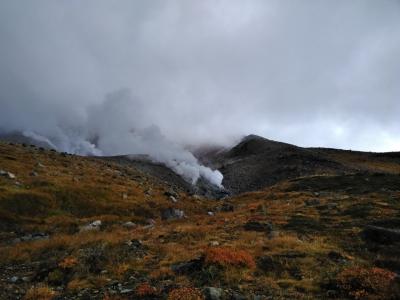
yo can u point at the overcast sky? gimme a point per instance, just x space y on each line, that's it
312 73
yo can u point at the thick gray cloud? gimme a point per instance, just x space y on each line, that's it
313 73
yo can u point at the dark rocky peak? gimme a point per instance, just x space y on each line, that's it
254 144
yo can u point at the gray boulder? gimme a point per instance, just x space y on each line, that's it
213 293
94 226
172 214
380 235
258 226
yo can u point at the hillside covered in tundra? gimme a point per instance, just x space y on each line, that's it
76 227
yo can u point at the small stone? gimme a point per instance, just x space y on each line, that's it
129 224
170 193
14 279
214 243
173 199
150 222
34 174
172 213
94 226
273 234
226 207
96 223
312 202
39 165
7 174
126 291
213 293
237 296
187 267
210 213
332 205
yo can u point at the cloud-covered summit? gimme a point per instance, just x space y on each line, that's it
311 73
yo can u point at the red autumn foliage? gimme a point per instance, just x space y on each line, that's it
185 293
229 257
366 283
145 290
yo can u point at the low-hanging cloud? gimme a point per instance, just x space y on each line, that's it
312 73
120 125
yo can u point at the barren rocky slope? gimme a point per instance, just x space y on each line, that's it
256 163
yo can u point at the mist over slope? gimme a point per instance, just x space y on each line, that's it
120 126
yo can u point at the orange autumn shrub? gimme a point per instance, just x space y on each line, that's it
113 297
145 290
366 283
40 292
68 262
185 293
229 257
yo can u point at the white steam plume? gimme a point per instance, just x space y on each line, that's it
120 125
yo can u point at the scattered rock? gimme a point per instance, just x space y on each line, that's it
273 234
129 224
226 207
171 214
14 279
39 165
40 236
126 291
312 202
134 244
173 199
213 293
258 226
332 205
295 272
210 213
187 267
33 174
171 193
150 222
124 196
214 243
336 256
237 296
268 264
381 235
95 225
31 237
9 175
